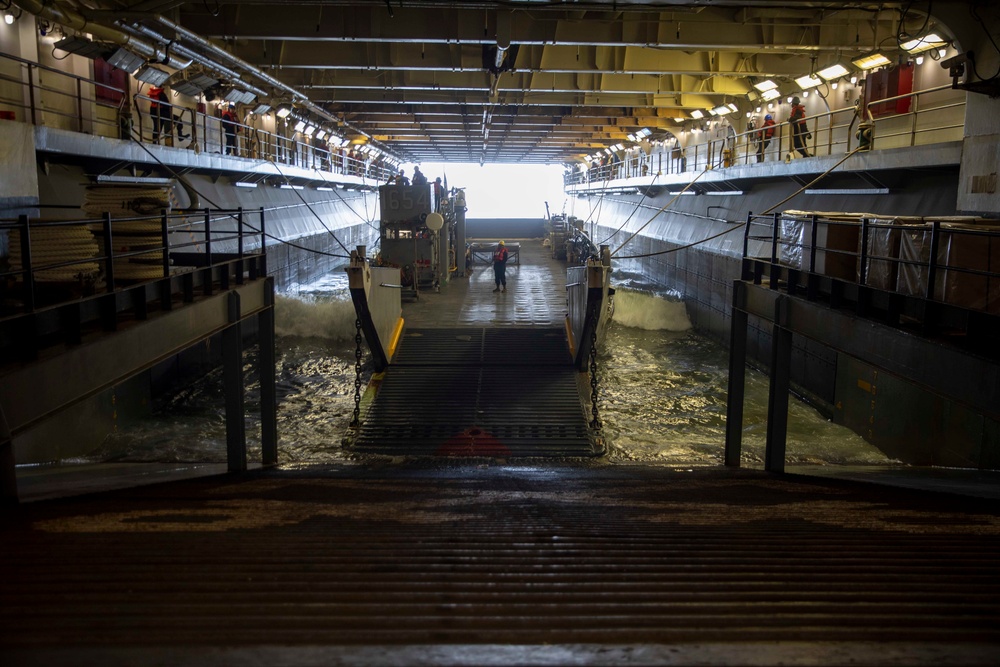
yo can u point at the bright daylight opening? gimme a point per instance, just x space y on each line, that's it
501 190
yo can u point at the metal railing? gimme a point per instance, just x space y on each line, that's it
56 261
45 96
833 133
951 262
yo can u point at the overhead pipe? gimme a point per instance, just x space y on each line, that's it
72 19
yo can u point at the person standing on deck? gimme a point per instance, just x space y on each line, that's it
229 121
800 131
500 266
764 136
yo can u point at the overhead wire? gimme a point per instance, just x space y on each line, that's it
277 239
739 225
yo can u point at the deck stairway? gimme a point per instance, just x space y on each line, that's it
475 391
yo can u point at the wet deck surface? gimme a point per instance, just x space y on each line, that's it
536 296
445 563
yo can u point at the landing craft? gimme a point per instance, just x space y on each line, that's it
459 390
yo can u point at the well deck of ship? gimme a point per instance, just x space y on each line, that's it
487 561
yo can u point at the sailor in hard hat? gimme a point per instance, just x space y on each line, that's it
764 136
500 266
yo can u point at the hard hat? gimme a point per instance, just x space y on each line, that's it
768 117
501 243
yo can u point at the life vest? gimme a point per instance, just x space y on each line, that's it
767 131
500 255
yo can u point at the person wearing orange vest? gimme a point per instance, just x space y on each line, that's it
500 266
800 131
764 135
229 121
160 112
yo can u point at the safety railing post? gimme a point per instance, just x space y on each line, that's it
109 252
266 370
813 237
232 375
79 105
775 270
28 269
932 260
863 259
239 246
208 274
165 240
263 245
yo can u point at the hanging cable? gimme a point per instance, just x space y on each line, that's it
663 208
739 225
634 211
188 184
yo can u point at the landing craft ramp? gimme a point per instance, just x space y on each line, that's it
498 391
477 373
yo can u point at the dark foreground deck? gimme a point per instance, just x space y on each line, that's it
439 562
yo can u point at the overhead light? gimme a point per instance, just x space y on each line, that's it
309 130
805 94
758 109
683 192
261 109
644 132
245 184
125 60
237 95
925 43
871 61
679 120
283 110
299 126
631 137
833 72
152 75
919 60
81 46
324 188
834 85
697 114
721 110
194 85
943 52
286 186
854 80
770 95
732 107
8 18
808 81
766 85
321 134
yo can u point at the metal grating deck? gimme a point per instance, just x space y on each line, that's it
479 392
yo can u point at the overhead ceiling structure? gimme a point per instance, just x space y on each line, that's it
524 80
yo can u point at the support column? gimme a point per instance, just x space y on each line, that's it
8 474
777 395
268 394
232 374
737 376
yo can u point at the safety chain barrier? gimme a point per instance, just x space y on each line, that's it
356 420
595 422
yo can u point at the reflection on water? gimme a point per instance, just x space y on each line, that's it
662 391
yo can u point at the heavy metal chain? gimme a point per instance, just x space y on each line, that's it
595 423
356 421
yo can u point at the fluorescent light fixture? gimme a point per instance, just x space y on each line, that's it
808 81
309 130
833 72
871 61
81 46
193 86
245 184
152 75
769 95
299 126
323 188
286 186
766 85
283 111
713 112
721 110
261 109
644 132
724 193
847 191
321 134
631 137
925 43
125 60
732 107
679 120
697 114
683 192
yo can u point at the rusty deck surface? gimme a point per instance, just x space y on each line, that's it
440 562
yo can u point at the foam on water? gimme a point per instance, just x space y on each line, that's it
329 319
651 312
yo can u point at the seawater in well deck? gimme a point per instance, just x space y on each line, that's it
484 373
